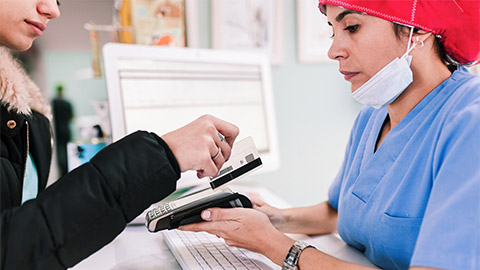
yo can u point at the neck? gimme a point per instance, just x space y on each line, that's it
427 75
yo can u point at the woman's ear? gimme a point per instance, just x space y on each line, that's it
420 38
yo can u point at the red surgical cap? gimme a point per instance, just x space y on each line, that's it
456 21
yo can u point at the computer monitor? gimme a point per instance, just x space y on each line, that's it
160 89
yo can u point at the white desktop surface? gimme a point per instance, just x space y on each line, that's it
136 248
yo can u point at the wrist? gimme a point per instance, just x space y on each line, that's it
276 250
292 259
288 218
170 155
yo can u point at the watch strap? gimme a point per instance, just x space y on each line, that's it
291 261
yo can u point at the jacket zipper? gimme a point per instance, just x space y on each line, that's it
52 143
26 152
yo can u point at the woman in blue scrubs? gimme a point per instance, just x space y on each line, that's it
408 192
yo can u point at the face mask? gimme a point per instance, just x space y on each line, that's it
388 83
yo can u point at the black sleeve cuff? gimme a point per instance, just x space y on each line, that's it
171 157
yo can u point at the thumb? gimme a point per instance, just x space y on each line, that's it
222 214
207 215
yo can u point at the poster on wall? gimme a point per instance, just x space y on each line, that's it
253 25
314 34
159 22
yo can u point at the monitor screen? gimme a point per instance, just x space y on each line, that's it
161 89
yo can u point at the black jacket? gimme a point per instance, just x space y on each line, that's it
82 211
14 153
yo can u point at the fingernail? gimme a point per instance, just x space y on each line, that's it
206 215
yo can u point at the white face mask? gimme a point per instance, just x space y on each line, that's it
388 83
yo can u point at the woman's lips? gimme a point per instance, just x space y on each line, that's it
348 75
37 27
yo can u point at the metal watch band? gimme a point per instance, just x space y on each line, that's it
291 261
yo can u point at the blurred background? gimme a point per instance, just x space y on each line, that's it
314 110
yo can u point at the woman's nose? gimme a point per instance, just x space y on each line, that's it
337 50
48 9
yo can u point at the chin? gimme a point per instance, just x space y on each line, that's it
23 47
355 85
353 88
19 45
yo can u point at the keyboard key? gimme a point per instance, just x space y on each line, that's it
211 252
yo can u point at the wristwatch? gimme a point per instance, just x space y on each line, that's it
291 261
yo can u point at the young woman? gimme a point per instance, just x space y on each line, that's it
408 192
57 227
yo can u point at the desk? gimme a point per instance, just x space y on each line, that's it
136 248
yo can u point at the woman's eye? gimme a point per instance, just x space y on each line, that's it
58 3
351 28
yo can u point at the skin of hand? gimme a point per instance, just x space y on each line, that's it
245 228
316 219
195 144
274 214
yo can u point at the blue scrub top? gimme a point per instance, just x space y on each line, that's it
416 200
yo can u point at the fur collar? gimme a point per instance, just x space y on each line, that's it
17 91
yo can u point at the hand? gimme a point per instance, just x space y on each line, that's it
274 214
245 228
195 145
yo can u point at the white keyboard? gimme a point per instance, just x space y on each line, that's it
200 250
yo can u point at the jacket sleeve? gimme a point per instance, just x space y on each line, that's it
90 206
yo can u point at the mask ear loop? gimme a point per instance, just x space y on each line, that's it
409 49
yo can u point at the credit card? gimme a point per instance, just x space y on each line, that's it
243 160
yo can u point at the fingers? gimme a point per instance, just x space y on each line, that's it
224 214
203 145
218 221
226 149
211 163
217 149
215 227
200 227
256 199
228 130
223 145
219 159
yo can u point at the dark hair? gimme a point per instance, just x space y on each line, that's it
447 59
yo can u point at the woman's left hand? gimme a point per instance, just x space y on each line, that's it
245 228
